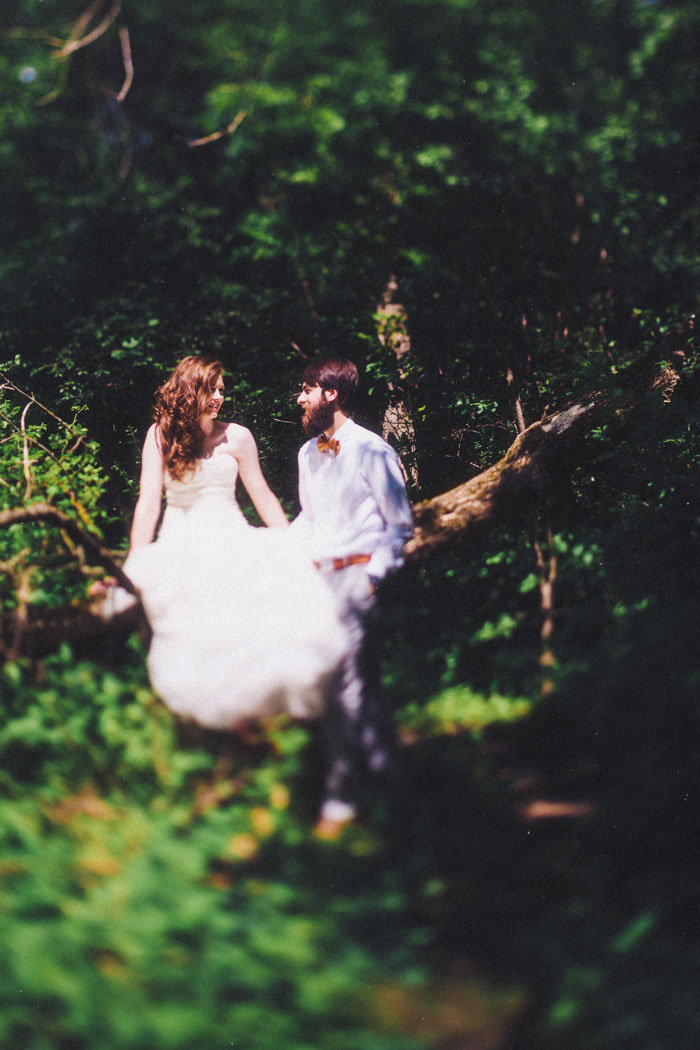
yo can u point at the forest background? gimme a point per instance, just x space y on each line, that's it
492 208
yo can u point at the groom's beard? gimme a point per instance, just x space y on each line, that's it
318 419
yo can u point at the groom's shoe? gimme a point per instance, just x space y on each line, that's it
335 818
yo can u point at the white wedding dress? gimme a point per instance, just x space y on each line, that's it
243 625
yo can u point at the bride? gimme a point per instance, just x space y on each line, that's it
243 625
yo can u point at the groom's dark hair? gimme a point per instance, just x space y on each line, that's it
335 373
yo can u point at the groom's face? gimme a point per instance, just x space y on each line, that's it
318 410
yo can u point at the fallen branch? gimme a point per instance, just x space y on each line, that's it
53 516
531 467
513 484
43 631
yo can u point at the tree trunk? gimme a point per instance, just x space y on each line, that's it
397 426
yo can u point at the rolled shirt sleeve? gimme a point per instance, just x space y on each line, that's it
382 471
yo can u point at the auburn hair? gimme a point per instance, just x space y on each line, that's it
335 373
178 406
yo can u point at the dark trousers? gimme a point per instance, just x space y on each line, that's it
360 736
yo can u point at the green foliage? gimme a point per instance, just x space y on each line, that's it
460 709
78 721
45 460
136 910
119 934
502 166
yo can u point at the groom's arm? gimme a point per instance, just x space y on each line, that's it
382 471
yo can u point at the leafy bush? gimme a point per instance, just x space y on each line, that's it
153 897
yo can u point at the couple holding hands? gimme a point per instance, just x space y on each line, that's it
250 622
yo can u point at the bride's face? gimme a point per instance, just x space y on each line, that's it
215 400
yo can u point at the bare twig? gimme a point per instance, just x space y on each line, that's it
25 453
75 32
76 550
31 34
228 130
57 91
7 384
75 45
76 444
128 63
84 20
66 488
519 414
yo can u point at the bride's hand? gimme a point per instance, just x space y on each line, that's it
98 588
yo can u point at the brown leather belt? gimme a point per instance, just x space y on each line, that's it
342 563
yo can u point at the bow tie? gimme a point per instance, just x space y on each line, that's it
331 445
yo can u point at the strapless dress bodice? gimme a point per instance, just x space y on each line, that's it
212 478
202 502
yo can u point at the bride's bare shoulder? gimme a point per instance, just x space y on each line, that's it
237 437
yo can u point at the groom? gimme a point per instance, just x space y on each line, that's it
356 515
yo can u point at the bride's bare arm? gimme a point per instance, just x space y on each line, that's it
264 499
148 506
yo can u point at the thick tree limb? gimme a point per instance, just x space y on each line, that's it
54 516
29 632
33 635
514 484
531 467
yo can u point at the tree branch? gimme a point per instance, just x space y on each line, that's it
74 45
26 462
128 63
530 468
54 516
228 130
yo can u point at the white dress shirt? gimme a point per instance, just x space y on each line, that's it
354 501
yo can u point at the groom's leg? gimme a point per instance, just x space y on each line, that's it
360 736
341 728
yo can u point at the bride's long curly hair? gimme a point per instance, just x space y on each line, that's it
179 404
